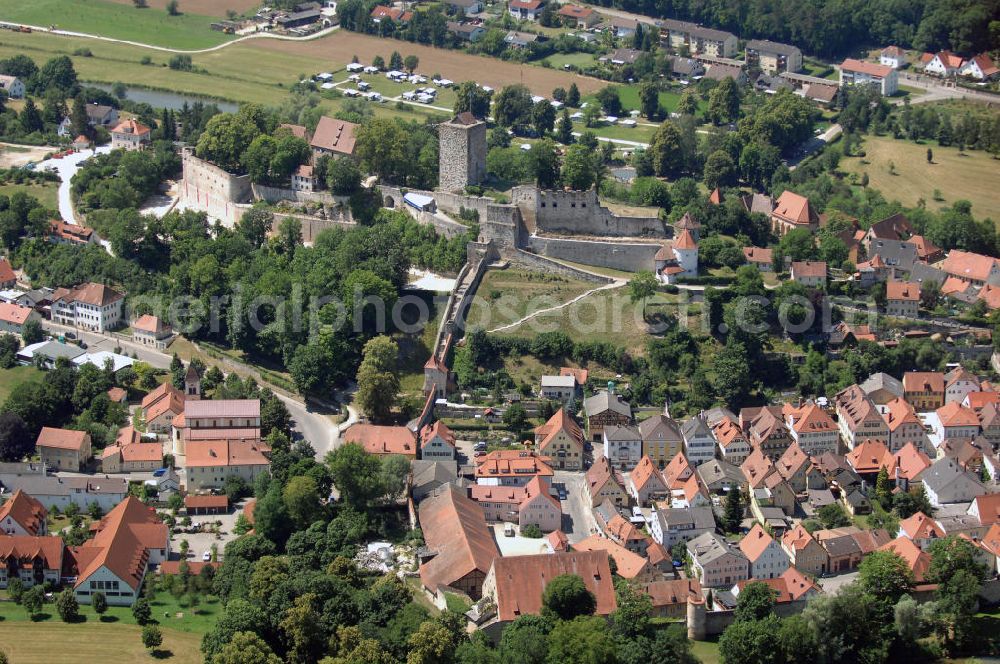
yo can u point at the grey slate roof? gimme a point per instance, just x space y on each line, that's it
660 427
895 253
47 485
882 381
708 547
921 273
603 401
695 428
718 470
688 518
766 46
943 473
614 433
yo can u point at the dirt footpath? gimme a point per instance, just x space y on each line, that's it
336 50
12 155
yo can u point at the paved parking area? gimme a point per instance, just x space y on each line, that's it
198 543
578 518
832 584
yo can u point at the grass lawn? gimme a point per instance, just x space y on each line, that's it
56 642
606 271
629 94
415 349
605 316
505 296
706 651
557 60
109 19
970 176
165 608
10 378
639 133
528 369
47 194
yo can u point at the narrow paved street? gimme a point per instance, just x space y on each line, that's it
67 167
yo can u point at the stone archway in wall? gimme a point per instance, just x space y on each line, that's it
389 201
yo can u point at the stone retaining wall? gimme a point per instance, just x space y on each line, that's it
630 257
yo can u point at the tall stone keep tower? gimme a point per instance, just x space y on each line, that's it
462 152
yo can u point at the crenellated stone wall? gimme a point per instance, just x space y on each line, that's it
580 213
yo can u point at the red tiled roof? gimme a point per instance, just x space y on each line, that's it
948 59
758 255
148 323
521 581
121 542
899 412
988 506
131 127
677 471
580 375
924 246
918 561
117 394
755 542
797 538
955 414
990 294
967 265
869 457
558 541
27 512
920 526
6 271
25 548
809 269
644 472
629 565
862 67
14 314
923 381
907 291
909 462
793 208
97 295
221 453
685 241
671 593
63 439
560 421
379 439
454 526
334 135
438 429
173 567
222 408
512 463
206 502
574 11
986 64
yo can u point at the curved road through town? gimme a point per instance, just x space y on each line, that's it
310 421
